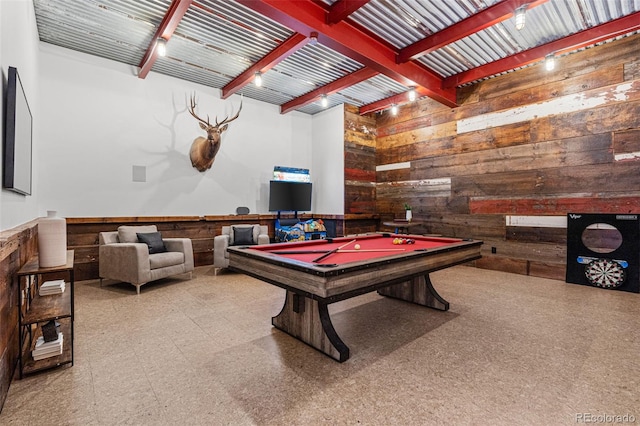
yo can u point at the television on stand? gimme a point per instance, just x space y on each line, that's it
289 196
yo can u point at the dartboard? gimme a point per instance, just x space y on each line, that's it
605 273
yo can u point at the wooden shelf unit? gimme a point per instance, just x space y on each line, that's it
36 310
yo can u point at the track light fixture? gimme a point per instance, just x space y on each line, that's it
161 46
549 62
520 17
412 94
257 79
394 109
324 101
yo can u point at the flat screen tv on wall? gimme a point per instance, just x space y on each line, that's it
17 137
289 196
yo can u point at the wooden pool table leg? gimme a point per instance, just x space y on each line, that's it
418 290
308 320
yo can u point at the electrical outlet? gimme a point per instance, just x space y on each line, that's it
494 250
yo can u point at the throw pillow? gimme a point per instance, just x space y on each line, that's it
154 241
243 236
128 233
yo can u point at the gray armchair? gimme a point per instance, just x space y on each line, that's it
234 235
124 259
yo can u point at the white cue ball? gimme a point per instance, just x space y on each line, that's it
357 247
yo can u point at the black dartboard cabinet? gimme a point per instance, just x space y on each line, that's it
603 250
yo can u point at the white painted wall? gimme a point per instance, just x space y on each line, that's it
100 120
328 161
18 48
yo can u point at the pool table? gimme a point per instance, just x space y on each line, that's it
317 273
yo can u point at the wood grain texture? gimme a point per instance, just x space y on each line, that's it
17 246
359 164
576 66
626 141
309 321
582 158
552 205
418 290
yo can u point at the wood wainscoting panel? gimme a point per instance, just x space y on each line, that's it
17 246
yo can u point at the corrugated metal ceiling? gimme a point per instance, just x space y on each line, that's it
217 40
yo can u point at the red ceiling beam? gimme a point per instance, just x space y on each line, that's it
328 89
341 9
484 19
305 16
165 30
399 99
575 41
270 60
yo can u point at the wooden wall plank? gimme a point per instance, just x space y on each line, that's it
613 178
626 142
575 66
542 206
518 95
554 271
526 234
610 96
418 135
632 70
388 124
591 149
511 135
613 118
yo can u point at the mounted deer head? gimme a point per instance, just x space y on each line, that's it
204 150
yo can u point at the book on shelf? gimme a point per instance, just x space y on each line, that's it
47 349
50 331
52 287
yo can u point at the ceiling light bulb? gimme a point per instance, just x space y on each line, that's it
550 63
324 101
394 109
313 38
161 45
412 94
520 17
257 79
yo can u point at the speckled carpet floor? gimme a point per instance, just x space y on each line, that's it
512 350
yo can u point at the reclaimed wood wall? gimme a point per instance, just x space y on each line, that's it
359 162
520 152
17 246
359 172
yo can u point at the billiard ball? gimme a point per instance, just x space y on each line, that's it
357 247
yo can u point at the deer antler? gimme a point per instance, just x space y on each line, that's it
192 111
227 120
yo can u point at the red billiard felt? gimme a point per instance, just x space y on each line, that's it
367 242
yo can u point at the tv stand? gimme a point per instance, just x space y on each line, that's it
287 230
295 214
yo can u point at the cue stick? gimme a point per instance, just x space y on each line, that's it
298 251
368 250
325 251
318 259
